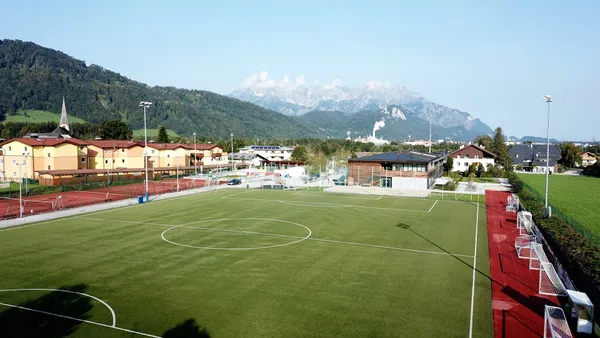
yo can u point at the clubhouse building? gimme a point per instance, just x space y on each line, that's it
402 170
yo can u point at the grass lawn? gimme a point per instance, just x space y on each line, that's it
576 196
153 133
14 187
37 116
254 263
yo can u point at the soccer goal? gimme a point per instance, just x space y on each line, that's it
523 246
550 282
512 203
523 218
555 323
537 256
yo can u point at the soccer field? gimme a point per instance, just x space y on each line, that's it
253 263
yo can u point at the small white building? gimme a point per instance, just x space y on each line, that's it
469 155
271 153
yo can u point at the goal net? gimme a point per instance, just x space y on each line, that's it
550 282
512 203
523 246
537 256
555 323
523 218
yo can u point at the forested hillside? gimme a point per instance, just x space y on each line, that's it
34 77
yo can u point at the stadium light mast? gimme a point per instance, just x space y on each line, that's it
231 152
548 101
429 136
146 104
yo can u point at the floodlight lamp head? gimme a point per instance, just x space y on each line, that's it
548 98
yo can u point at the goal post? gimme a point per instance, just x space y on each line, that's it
537 256
550 283
555 323
523 246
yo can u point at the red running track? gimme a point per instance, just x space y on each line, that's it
518 309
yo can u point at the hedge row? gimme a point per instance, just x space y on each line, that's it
579 256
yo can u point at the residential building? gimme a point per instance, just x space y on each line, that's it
588 158
22 157
408 170
271 153
471 155
533 157
207 154
115 154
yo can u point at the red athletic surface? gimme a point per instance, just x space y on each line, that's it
9 208
518 309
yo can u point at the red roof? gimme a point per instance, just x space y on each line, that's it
46 141
113 144
200 146
163 146
476 147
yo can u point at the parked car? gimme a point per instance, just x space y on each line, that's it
234 181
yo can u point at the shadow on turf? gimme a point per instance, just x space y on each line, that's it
16 322
187 329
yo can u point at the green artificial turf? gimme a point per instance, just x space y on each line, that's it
336 266
576 196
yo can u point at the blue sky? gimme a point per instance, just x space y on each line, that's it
493 59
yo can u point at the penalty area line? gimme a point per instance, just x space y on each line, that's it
434 203
80 320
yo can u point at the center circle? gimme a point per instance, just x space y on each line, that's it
294 239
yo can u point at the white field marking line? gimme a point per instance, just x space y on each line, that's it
80 320
17 227
343 195
290 236
378 198
239 193
240 249
112 312
432 206
474 269
332 205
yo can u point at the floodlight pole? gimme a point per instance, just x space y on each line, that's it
26 181
20 193
145 105
231 153
429 136
195 156
548 101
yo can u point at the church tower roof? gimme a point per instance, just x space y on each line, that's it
64 121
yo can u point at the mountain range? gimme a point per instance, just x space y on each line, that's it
33 77
371 98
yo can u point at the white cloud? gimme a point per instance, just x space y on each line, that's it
263 76
286 79
300 80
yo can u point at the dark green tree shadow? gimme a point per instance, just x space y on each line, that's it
187 329
29 321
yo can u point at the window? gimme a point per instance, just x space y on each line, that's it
14 174
467 156
466 164
114 160
123 161
81 148
106 161
25 148
48 155
168 155
49 168
9 148
476 157
123 150
83 160
152 151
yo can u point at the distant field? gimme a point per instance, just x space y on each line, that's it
153 133
37 116
575 195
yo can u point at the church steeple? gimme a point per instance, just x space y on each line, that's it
64 121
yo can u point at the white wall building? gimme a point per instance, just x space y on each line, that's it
271 153
469 155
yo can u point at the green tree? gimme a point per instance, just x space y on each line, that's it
163 137
480 170
449 164
570 155
484 141
114 130
499 148
300 154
